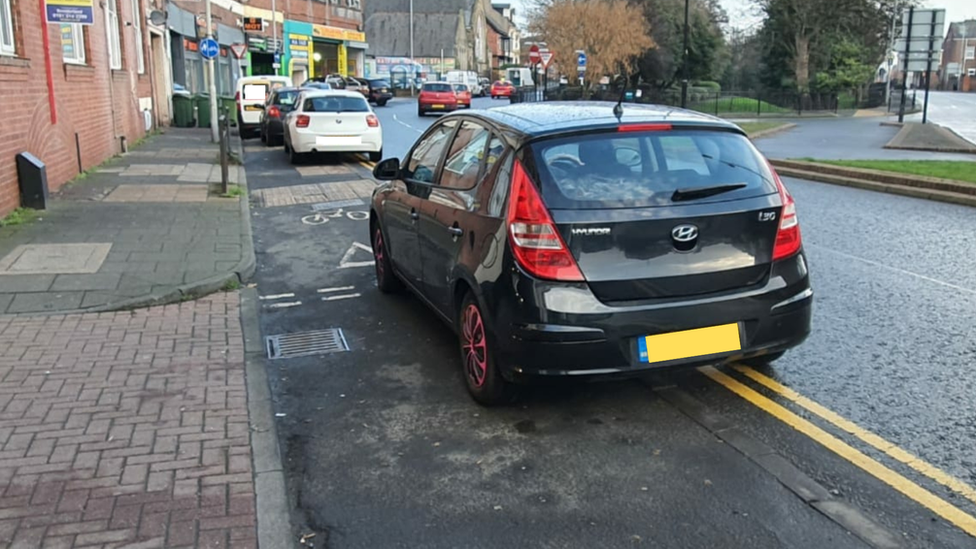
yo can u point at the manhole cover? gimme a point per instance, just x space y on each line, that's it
323 206
316 342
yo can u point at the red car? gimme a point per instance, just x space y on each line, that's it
502 88
436 97
463 96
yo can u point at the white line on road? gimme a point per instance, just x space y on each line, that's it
407 125
897 270
338 289
278 296
338 297
284 305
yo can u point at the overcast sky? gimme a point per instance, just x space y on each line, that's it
743 13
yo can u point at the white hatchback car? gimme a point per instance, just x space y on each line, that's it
332 121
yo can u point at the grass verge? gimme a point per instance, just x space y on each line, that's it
18 217
945 169
233 191
737 105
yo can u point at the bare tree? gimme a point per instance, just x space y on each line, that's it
611 32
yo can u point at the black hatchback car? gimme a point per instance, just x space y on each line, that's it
279 104
560 240
380 92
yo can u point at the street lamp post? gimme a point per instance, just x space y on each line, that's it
212 88
684 63
413 66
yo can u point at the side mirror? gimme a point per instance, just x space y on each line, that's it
387 170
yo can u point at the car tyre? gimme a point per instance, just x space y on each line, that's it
386 279
376 156
420 112
294 157
763 360
481 374
381 103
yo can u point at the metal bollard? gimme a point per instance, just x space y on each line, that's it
224 150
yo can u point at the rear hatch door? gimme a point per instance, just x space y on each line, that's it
337 115
661 214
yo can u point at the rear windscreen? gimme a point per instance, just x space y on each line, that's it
628 170
286 98
336 104
379 83
437 87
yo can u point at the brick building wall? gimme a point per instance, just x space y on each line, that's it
98 104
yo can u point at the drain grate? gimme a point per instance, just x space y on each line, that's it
336 204
316 342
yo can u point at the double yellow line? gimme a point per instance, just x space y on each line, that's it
369 165
913 491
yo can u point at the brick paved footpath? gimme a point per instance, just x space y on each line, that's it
126 429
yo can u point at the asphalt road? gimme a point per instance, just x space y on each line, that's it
954 110
383 447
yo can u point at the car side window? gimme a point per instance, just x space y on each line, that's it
425 157
496 201
464 161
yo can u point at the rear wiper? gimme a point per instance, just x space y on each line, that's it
694 193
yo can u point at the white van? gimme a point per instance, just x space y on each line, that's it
468 78
519 76
252 93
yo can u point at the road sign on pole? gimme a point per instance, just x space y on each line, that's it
209 48
546 57
238 49
580 61
534 54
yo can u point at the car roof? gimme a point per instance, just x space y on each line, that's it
439 82
312 92
537 119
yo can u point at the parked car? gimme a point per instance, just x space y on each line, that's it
468 78
463 96
317 85
559 240
339 82
502 88
332 121
485 86
380 92
280 103
251 95
436 97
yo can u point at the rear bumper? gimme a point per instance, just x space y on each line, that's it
447 106
306 142
377 97
560 329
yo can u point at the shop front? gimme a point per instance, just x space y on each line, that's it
316 51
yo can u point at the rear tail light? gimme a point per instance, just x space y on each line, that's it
302 121
237 99
274 112
372 121
537 245
788 238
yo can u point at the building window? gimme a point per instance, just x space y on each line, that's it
6 28
73 44
137 25
354 4
112 28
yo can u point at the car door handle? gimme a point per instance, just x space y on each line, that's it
456 231
414 215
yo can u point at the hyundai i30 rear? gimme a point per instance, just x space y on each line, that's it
599 248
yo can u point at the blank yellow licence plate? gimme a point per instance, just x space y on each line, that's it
689 343
252 108
437 106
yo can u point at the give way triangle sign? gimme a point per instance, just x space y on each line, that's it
546 57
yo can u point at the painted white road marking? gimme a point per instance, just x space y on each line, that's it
337 289
407 125
895 269
358 215
284 305
346 261
277 296
338 297
315 219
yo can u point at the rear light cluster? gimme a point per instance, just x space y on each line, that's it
302 121
788 239
274 112
537 246
372 121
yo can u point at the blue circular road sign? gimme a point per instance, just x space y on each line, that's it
209 49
